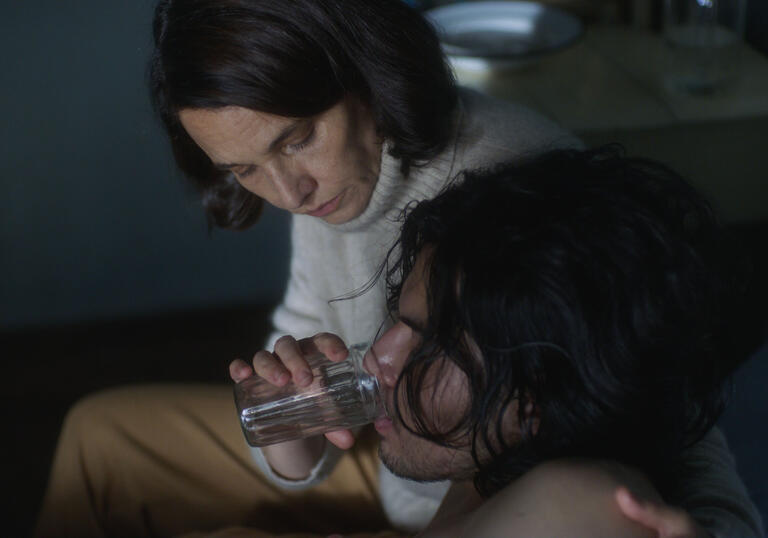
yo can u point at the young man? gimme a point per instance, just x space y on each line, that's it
558 332
569 308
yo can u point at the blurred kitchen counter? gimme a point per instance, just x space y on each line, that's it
608 88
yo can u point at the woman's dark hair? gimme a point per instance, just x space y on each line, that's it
592 286
297 58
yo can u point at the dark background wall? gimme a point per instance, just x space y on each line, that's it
108 274
94 220
756 31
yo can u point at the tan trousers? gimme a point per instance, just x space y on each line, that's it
165 460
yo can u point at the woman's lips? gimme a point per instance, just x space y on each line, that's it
327 208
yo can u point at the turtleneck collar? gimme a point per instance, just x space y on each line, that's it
388 184
391 192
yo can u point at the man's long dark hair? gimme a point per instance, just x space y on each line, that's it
297 58
592 287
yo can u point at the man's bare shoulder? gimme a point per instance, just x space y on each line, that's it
562 498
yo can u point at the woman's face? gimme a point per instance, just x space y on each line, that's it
324 166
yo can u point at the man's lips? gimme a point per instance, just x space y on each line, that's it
383 424
327 208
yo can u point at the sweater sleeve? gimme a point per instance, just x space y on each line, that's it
713 493
320 472
300 312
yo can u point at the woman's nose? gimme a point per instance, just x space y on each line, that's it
295 192
294 188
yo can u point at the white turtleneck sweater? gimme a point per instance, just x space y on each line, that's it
330 261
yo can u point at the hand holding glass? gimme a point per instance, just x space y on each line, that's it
341 395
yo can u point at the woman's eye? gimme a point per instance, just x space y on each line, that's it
295 148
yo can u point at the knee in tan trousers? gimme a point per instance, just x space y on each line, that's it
162 460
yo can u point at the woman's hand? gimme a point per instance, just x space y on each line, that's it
666 521
288 362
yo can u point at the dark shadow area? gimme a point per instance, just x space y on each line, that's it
745 419
744 425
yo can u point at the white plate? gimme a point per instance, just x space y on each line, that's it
503 33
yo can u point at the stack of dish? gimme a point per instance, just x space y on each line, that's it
486 36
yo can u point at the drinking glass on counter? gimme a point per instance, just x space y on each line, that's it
704 38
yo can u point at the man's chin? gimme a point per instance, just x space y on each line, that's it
393 464
398 467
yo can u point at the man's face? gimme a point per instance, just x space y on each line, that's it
444 394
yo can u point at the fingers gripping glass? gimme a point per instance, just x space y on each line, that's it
342 395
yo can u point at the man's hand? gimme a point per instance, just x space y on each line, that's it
666 521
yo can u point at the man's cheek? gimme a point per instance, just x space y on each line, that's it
445 401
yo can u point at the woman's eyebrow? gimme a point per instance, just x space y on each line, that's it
228 166
287 131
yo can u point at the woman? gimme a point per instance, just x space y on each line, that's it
341 113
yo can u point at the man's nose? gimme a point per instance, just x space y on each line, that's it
390 353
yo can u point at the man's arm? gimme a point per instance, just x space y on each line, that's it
571 498
721 506
665 520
